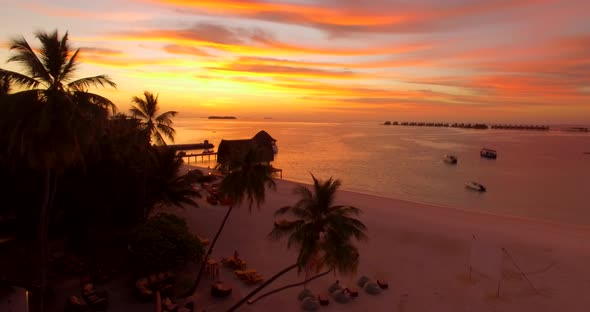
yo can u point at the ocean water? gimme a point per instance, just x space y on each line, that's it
540 175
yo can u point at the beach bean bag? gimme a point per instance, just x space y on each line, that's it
362 281
335 287
341 296
372 288
310 304
304 294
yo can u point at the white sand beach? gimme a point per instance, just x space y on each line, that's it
424 253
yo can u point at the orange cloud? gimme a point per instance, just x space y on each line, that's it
343 17
114 15
185 50
253 42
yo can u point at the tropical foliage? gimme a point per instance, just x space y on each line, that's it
157 126
163 243
246 180
322 232
75 171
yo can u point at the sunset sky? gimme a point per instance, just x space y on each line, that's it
451 60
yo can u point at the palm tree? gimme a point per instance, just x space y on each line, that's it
321 231
159 126
166 185
50 117
247 179
4 86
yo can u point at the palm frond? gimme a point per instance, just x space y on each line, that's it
137 112
53 54
159 139
19 79
29 60
165 118
84 84
97 100
166 131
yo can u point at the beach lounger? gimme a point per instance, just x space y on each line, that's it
243 274
254 278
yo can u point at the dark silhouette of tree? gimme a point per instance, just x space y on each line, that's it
52 120
321 231
158 126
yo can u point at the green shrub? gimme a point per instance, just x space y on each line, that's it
162 243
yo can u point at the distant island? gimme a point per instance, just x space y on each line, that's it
222 117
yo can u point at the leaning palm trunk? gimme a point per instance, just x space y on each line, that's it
303 283
208 254
259 288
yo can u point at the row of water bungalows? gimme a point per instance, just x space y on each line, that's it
465 125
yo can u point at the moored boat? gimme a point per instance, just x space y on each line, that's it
488 153
475 186
450 159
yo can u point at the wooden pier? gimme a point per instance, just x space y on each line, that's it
196 156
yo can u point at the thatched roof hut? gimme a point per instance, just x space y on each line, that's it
236 150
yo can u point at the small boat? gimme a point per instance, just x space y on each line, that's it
488 153
450 159
475 186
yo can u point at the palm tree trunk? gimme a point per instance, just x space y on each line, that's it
208 254
274 291
49 187
259 288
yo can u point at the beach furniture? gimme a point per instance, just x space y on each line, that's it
234 262
169 306
304 294
372 288
335 287
219 290
75 304
362 281
203 240
212 268
323 300
243 274
96 299
310 304
341 296
254 278
351 292
146 287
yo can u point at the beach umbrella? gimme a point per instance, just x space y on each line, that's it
305 294
335 287
372 288
362 281
310 304
341 297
